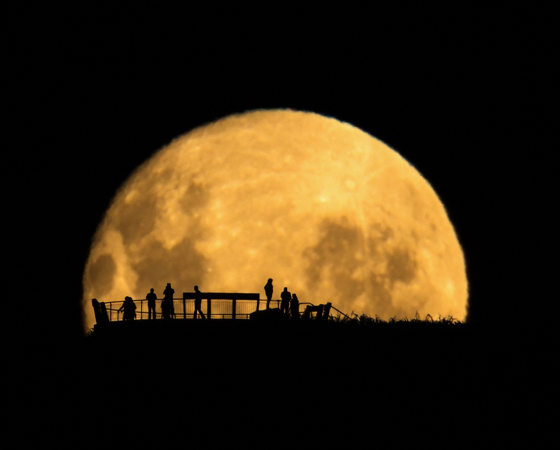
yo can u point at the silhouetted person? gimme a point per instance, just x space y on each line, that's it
104 314
294 307
285 303
198 303
165 309
129 309
167 303
268 288
151 297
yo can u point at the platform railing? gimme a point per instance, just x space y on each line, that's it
220 309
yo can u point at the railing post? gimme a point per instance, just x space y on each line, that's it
233 304
209 308
184 309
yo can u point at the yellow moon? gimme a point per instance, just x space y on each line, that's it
318 205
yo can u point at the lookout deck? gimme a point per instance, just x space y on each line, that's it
214 305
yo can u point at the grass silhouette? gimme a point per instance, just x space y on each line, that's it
357 378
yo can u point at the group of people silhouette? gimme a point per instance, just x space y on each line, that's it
289 305
167 310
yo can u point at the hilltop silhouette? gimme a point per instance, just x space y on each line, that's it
364 376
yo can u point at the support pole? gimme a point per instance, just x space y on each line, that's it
209 309
233 304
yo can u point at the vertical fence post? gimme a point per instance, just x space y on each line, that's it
184 308
209 308
233 304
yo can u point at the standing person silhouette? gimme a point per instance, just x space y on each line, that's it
129 309
285 304
151 297
198 303
294 307
268 288
167 304
165 309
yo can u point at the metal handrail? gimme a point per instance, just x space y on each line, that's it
113 310
340 312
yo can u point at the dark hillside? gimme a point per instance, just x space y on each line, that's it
293 361
242 379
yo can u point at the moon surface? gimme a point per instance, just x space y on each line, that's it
318 205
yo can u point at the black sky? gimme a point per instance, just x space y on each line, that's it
458 92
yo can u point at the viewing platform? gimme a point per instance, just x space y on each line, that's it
215 306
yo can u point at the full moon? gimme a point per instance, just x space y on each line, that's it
316 204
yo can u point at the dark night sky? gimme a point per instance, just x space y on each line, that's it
457 92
